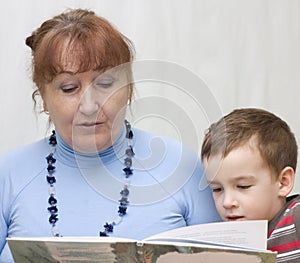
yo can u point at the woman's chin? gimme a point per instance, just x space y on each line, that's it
90 145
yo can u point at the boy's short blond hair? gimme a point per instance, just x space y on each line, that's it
275 140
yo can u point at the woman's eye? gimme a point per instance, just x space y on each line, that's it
68 88
104 84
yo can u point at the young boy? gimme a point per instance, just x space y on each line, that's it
250 157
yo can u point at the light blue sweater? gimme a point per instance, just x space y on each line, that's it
164 190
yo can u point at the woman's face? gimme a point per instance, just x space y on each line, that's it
87 109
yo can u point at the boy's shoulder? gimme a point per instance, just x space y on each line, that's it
291 214
293 208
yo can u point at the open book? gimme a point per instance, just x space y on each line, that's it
243 241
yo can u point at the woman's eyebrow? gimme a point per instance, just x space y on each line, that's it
66 72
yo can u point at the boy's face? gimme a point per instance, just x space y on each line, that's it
243 186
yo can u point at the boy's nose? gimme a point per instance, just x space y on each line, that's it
230 201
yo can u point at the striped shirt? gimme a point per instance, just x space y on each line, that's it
284 232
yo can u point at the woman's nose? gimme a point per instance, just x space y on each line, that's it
89 103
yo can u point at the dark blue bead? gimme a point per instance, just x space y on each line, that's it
52 200
108 227
127 171
102 234
53 209
52 139
50 168
130 134
50 159
122 210
53 219
51 179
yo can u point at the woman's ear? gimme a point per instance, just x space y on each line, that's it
45 107
286 181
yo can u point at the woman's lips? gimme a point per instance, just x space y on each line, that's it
89 125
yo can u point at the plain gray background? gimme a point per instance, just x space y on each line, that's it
246 52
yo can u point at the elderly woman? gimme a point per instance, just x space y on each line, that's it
94 175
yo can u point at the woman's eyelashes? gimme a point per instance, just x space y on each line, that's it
69 88
98 83
106 82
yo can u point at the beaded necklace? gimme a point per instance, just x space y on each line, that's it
123 202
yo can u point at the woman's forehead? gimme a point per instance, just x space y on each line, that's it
77 58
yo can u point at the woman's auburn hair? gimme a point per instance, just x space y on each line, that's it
77 38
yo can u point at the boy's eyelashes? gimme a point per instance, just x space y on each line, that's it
216 190
219 188
244 186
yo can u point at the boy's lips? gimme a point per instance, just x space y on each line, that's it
234 217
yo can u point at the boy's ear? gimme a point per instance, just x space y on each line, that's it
286 181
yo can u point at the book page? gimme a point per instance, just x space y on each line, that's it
71 249
169 252
192 244
250 234
224 257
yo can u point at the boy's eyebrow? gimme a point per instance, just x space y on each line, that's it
211 181
235 178
244 176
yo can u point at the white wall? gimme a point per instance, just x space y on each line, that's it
246 52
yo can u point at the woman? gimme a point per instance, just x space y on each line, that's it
94 175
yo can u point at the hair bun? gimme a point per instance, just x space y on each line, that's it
29 41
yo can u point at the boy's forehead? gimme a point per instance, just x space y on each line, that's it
240 162
251 143
212 165
245 148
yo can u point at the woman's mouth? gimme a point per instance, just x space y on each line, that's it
89 125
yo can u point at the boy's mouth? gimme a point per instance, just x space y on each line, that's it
234 218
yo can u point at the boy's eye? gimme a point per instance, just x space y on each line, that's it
216 189
244 186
